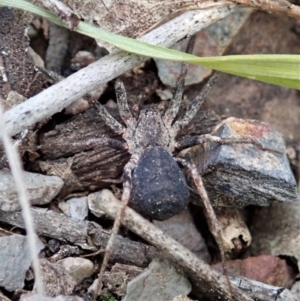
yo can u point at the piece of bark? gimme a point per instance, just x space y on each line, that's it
87 235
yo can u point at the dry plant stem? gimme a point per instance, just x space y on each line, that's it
206 280
16 169
109 247
62 94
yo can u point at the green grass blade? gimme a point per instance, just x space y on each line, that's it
280 69
283 70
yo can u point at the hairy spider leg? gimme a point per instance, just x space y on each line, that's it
195 105
209 213
201 139
174 106
123 107
117 127
129 120
127 175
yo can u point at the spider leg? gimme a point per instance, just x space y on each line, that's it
195 140
109 120
196 104
209 213
124 110
173 108
124 201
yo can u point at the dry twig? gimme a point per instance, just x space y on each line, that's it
16 168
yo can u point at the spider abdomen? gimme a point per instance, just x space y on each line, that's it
159 189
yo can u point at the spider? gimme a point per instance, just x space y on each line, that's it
153 183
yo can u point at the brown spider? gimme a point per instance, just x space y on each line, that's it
153 183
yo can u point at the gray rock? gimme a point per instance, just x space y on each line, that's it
15 260
56 279
41 189
241 174
76 208
275 230
161 281
296 289
77 267
182 298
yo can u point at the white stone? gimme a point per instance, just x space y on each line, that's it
76 207
15 260
41 189
77 267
